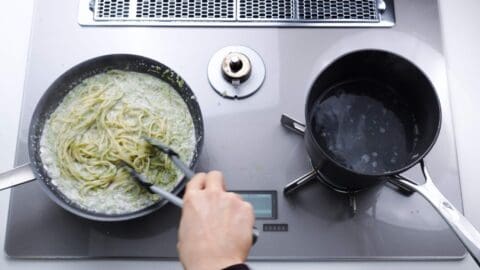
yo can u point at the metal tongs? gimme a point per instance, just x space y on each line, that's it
142 179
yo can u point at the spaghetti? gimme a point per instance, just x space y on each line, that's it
100 122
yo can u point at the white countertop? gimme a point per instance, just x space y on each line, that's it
461 36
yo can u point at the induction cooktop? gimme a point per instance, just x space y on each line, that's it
244 139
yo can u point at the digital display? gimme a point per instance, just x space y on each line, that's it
263 202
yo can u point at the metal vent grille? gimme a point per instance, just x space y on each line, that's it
266 10
112 9
338 10
186 9
282 13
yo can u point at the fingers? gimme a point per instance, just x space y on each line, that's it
249 211
197 182
215 181
211 181
234 196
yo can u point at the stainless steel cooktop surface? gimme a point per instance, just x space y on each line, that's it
244 139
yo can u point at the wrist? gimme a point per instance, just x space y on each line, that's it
240 266
214 264
225 264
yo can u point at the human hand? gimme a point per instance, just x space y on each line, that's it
216 226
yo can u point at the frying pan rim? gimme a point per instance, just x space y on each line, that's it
413 162
61 199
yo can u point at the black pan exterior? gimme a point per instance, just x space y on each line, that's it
71 78
393 71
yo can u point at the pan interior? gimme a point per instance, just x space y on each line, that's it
74 76
366 126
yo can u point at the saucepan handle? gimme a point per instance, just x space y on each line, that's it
464 230
17 176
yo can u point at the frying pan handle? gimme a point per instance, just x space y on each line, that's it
17 176
464 230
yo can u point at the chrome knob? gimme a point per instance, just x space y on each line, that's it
236 64
236 68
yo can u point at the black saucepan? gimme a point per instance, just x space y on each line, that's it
381 73
370 116
54 96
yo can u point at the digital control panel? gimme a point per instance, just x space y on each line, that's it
264 203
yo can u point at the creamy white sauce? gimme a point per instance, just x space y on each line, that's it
140 90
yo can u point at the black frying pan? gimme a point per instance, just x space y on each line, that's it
354 145
54 96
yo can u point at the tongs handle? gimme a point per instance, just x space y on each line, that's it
173 155
189 174
182 166
172 198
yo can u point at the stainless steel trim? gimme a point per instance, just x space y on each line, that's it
87 18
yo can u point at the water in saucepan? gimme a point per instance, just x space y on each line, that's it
365 126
